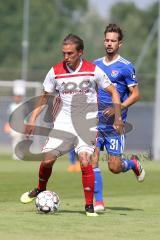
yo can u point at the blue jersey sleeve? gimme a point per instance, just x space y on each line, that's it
130 76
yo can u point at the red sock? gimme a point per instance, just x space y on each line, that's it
44 175
88 183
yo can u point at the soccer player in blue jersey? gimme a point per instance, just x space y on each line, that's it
122 74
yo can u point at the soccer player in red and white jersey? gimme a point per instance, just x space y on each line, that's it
75 80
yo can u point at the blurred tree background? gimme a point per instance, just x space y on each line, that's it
51 20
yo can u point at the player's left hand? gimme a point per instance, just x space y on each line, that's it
109 111
119 125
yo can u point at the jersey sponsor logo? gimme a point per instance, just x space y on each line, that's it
114 73
74 88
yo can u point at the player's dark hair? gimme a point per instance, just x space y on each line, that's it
112 27
74 39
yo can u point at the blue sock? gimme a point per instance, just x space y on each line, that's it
127 165
98 185
72 157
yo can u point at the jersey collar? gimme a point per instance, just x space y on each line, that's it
77 69
109 63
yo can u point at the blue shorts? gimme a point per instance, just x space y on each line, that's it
114 144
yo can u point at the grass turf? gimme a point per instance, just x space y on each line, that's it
132 208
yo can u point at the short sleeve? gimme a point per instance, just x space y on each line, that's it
130 76
101 78
49 83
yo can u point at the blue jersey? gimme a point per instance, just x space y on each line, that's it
122 74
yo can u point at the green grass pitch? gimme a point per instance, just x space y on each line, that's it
132 209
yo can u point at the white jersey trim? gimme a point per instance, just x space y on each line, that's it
109 63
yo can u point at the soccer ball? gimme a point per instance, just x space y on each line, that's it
47 202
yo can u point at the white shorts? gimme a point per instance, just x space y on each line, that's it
66 136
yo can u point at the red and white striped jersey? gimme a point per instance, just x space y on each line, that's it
76 88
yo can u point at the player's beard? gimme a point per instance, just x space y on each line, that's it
110 53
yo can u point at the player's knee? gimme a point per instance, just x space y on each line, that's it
114 164
94 161
95 158
49 161
84 159
114 169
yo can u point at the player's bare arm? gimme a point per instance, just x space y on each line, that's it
118 123
30 126
133 98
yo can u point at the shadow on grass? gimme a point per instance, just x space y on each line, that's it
123 209
59 212
72 211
